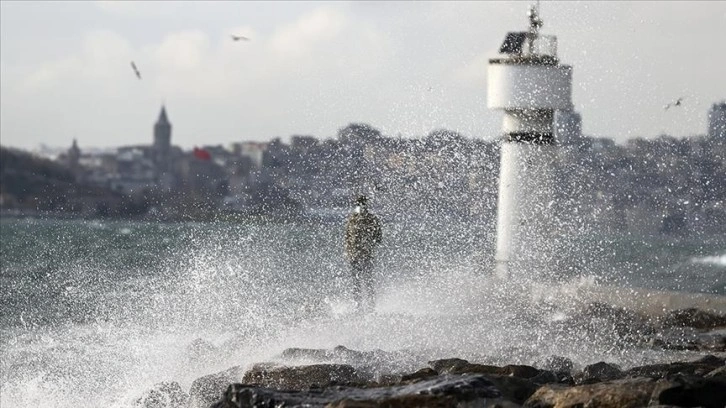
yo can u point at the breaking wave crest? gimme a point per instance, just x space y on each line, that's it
716 260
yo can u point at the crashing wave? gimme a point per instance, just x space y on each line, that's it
719 260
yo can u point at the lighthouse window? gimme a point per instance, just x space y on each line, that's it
513 43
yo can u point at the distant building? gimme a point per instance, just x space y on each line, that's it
717 121
162 152
135 170
162 144
599 144
73 159
303 143
255 151
567 128
74 154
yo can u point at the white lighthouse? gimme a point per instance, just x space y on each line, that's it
528 83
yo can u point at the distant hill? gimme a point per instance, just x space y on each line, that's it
30 183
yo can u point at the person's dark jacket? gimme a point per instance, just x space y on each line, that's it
362 234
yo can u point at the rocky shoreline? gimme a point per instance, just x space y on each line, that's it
341 377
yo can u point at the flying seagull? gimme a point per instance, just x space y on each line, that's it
136 70
676 103
239 37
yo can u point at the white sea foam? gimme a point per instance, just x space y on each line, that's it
717 260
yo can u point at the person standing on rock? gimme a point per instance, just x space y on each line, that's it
362 234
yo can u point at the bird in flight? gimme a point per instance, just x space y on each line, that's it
239 37
676 103
136 70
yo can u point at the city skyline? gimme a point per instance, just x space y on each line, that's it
312 68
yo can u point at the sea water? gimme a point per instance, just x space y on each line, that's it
96 312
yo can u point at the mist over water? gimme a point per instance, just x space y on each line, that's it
101 311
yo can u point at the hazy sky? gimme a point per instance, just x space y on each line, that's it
313 67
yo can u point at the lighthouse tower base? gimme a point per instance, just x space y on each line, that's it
526 211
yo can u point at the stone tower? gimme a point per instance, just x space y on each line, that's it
162 144
73 158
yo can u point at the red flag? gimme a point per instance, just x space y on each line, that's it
202 154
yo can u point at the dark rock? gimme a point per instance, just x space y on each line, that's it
714 342
513 388
695 318
545 377
205 390
679 345
522 371
421 374
301 377
389 380
459 366
442 391
711 360
663 406
405 401
349 354
163 395
699 368
717 373
473 369
448 364
690 391
567 380
465 387
501 403
373 363
386 380
631 393
598 372
675 338
688 338
240 395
